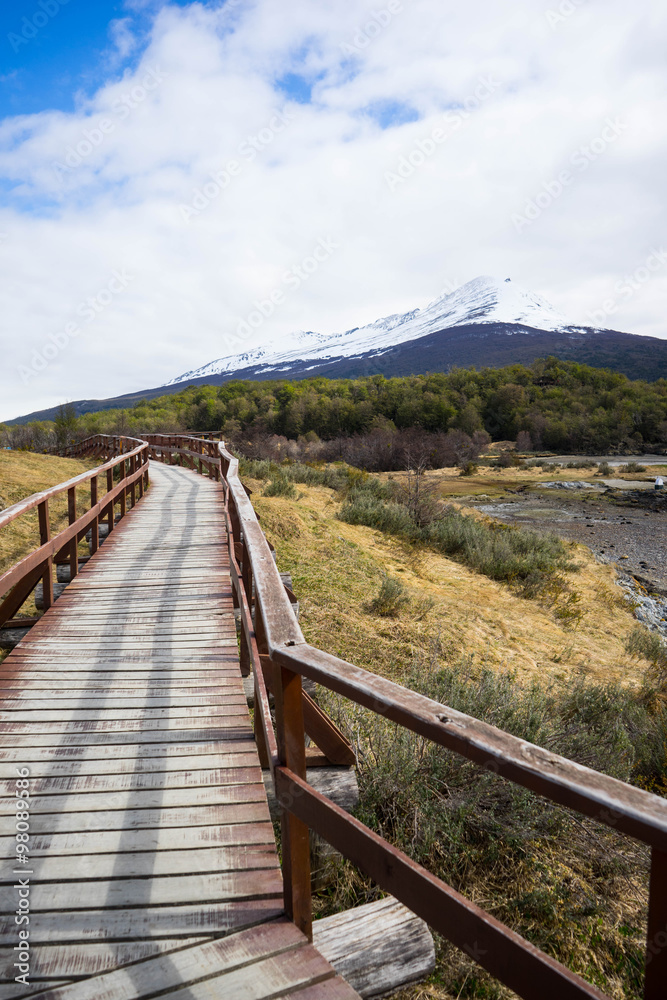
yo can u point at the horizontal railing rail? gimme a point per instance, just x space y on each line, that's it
130 466
273 646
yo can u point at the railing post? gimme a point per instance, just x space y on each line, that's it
74 544
95 526
44 537
133 488
123 494
110 516
656 935
295 834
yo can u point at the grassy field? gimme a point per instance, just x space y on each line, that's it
569 683
22 474
338 568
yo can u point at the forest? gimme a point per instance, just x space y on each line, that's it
549 405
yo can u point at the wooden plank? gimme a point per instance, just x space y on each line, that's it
378 948
110 801
187 920
152 772
144 754
152 840
146 728
167 890
96 867
69 702
149 819
331 989
76 961
234 705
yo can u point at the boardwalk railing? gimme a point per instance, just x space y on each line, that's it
273 645
124 478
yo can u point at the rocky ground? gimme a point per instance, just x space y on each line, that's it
623 526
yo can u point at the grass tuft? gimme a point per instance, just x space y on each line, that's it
391 598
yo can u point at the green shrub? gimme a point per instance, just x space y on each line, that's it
604 469
509 554
651 647
632 467
391 599
280 486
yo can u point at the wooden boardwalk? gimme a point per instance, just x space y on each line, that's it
153 865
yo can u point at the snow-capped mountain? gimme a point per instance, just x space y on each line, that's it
484 300
487 323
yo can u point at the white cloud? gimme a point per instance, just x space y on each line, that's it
206 83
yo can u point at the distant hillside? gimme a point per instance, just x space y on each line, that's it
560 405
481 345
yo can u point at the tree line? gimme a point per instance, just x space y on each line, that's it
551 404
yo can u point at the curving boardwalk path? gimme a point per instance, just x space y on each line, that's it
153 865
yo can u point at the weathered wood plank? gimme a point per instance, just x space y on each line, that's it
112 800
128 770
218 887
96 867
76 961
378 948
137 819
131 750
149 839
205 919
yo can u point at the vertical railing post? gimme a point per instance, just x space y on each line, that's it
110 516
133 488
123 494
44 537
295 835
74 544
95 526
656 934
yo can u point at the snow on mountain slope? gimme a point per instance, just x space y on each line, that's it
482 300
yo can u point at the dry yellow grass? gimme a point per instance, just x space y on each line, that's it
337 568
22 474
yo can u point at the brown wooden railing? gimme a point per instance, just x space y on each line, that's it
130 467
273 646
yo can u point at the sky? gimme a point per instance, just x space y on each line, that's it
165 166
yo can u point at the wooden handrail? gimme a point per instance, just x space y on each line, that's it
618 805
272 639
17 583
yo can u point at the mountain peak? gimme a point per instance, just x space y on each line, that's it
483 300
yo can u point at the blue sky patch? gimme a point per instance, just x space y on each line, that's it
388 114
